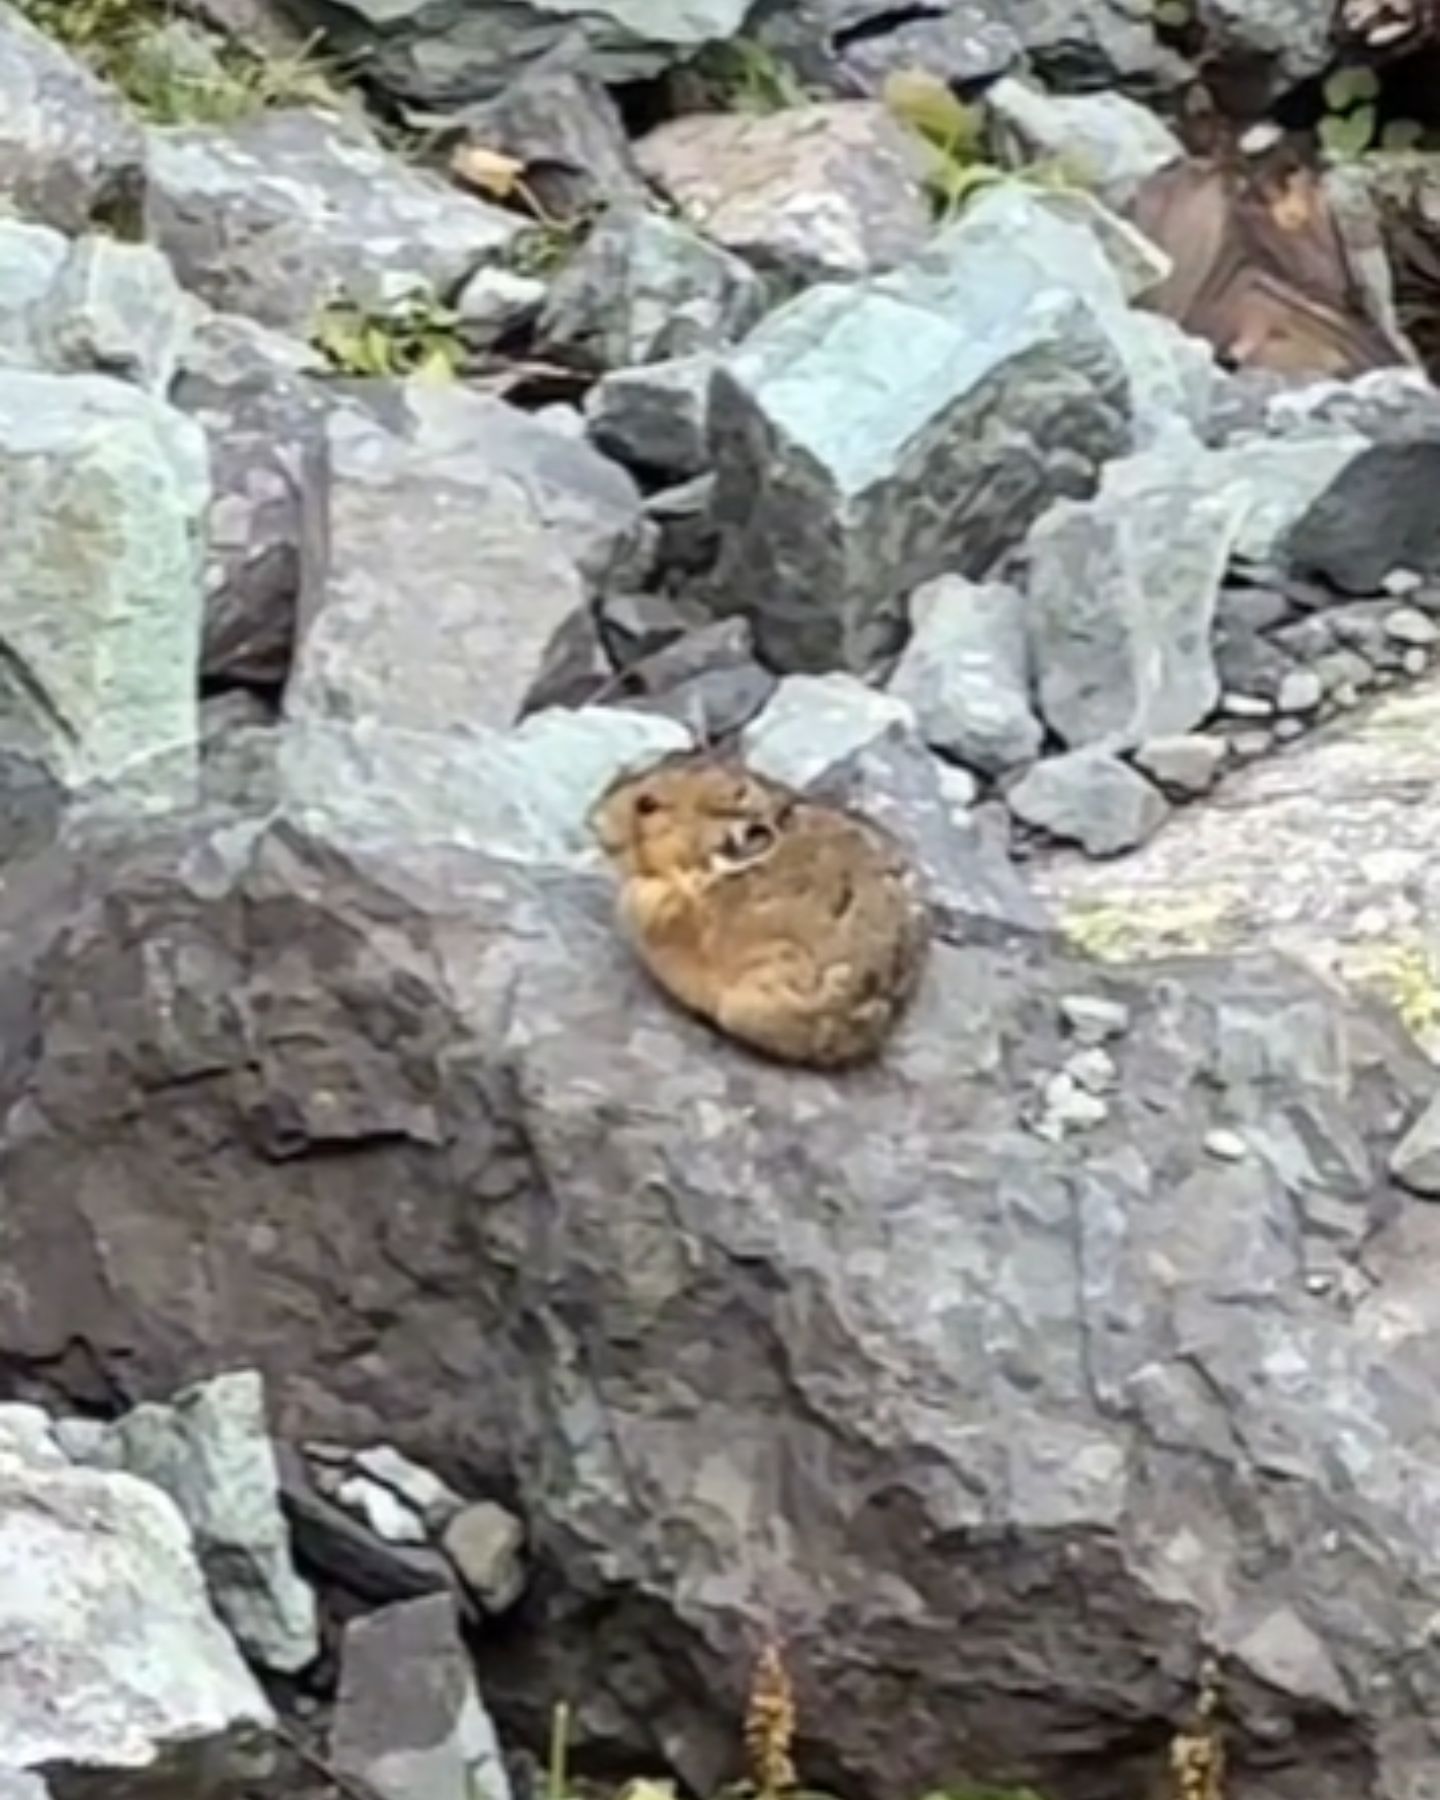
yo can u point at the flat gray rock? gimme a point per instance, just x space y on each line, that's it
290 211
1089 798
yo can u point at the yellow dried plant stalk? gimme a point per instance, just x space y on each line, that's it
770 1725
1197 1754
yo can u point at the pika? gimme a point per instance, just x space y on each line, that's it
795 927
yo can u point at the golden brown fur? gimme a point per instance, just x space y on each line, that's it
793 926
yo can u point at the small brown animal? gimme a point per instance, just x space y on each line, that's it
793 926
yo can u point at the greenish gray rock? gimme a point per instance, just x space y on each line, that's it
117 309
70 153
966 673
117 1673
100 595
1090 798
984 400
292 210
209 1449
1111 142
821 192
1122 591
813 722
91 305
644 288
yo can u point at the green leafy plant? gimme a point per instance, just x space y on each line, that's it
418 336
174 72
1349 126
745 76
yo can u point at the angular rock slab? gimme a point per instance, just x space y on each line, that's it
100 592
644 288
966 673
1129 1398
1121 595
867 439
277 217
209 1450
116 1672
470 53
1325 852
409 1721
70 154
810 193
264 421
431 603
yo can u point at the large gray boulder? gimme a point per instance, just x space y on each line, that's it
100 593
117 1678
70 154
982 402
1090 1358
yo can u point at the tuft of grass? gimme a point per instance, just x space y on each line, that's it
171 70
742 75
418 336
954 133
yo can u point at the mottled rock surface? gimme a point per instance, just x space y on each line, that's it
70 154
1325 852
812 193
736 1268
116 1672
288 212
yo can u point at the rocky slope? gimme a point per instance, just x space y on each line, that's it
402 1304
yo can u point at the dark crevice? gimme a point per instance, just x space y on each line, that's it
884 23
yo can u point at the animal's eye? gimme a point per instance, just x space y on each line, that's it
645 804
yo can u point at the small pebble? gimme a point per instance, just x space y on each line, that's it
1183 764
1287 730
1245 706
1261 137
1093 1020
1300 692
1227 1146
1093 1070
1069 1108
1245 746
1319 1284
1402 581
1416 662
1408 625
